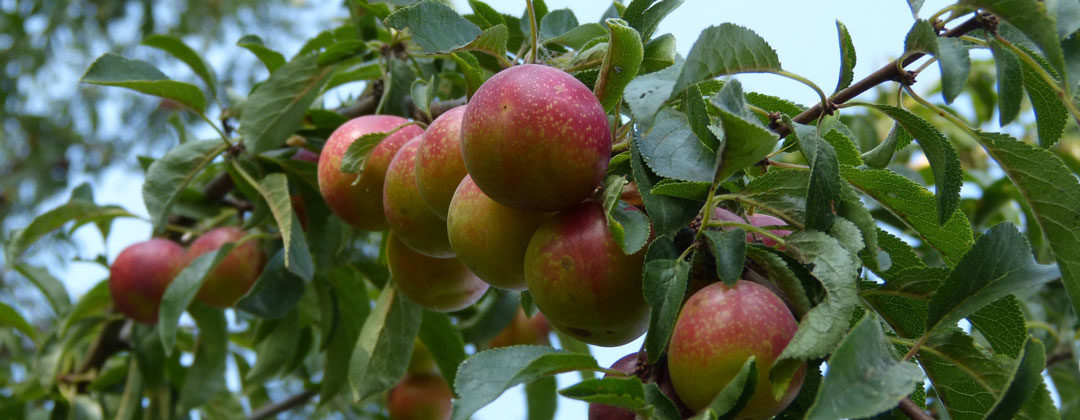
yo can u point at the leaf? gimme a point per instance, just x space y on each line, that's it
735 395
469 65
206 375
682 189
913 204
487 374
1010 82
274 188
270 58
664 287
541 397
1054 196
915 5
579 36
630 227
698 116
645 16
181 292
944 161
51 287
114 70
659 54
276 107
955 67
823 190
486 12
781 271
746 141
10 317
1050 114
555 23
668 214
620 64
175 47
77 211
864 376
663 407
852 209
340 51
348 294
647 93
628 393
726 49
671 149
847 57
1031 18
275 293
169 176
435 26
1003 325
824 325
492 42
444 342
729 250
385 344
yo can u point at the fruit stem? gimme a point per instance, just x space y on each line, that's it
532 29
915 348
749 227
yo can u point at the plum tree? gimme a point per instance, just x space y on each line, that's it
411 220
718 328
235 275
420 396
439 165
439 284
535 138
490 238
523 330
360 204
582 281
139 275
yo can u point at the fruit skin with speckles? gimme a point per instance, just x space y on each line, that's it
490 238
235 275
535 138
439 165
411 220
420 396
141 273
523 330
360 205
767 220
631 364
718 328
582 281
439 284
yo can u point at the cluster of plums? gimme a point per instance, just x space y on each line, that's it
500 193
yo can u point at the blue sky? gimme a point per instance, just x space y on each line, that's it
802 33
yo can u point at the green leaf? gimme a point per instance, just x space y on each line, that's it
671 149
181 292
270 58
697 114
915 5
352 162
846 151
10 317
645 16
347 293
955 67
880 156
664 287
206 375
735 395
275 349
114 70
824 325
852 209
1000 263
823 190
92 304
847 57
726 49
274 188
542 399
630 227
444 342
1003 325
341 51
620 64
1010 82
276 292
864 376
647 93
77 211
729 250
555 23
486 12
276 107
1031 18
944 161
492 42
668 214
1054 196
385 344
659 54
914 205
435 26
484 376
746 141
169 176
51 287
579 36
181 51
1050 113
663 407
781 271
628 393
689 190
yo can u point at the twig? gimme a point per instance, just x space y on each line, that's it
913 410
104 346
271 410
1058 356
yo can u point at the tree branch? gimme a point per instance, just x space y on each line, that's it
271 410
888 72
913 410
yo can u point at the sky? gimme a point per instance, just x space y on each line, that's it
803 34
